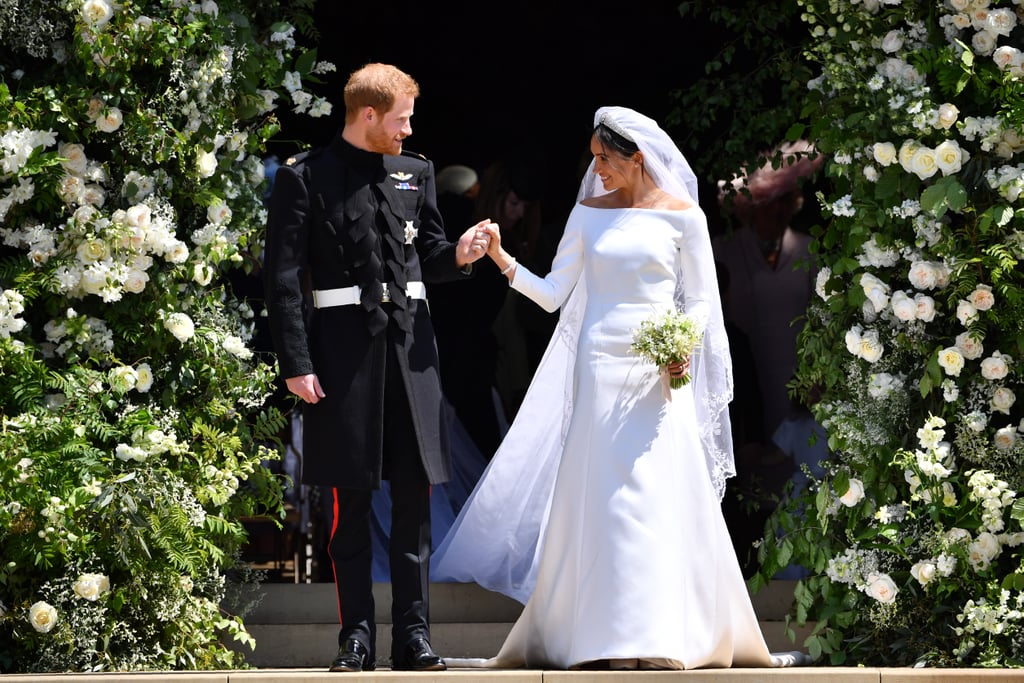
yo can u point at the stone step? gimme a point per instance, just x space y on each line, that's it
296 625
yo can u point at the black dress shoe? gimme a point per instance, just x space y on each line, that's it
353 656
417 656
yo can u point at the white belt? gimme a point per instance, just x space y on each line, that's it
349 296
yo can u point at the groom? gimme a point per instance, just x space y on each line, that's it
353 232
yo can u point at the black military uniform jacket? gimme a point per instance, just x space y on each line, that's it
341 216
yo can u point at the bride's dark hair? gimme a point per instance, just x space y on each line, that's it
609 139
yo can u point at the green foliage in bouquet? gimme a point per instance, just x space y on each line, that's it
135 428
913 539
668 337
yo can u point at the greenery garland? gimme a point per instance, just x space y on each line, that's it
136 429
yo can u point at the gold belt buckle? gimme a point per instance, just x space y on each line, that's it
385 296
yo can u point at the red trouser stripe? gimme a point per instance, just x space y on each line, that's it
334 528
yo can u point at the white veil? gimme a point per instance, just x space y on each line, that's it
497 537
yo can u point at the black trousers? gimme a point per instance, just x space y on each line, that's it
410 543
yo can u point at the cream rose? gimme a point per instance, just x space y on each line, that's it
1002 400
903 307
982 297
906 153
181 326
75 160
870 348
951 360
970 347
966 313
144 378
884 153
42 616
947 115
109 120
949 157
923 163
994 367
91 586
96 13
1005 438
206 164
924 572
882 588
925 307
854 494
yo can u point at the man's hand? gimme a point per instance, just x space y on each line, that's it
473 244
306 387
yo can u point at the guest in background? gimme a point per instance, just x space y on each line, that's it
770 267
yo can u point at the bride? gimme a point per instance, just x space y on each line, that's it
601 509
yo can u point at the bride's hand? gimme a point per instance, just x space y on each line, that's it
678 370
494 245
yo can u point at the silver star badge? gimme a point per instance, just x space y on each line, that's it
410 232
401 177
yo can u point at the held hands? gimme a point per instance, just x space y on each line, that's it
505 262
306 387
473 244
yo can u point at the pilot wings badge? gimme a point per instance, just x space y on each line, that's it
401 177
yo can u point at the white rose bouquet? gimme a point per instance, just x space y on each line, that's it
669 337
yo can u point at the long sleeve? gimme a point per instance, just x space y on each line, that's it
551 291
285 259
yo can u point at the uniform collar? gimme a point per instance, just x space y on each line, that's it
356 156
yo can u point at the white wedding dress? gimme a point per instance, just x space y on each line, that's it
624 554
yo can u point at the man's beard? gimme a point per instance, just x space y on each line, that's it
380 142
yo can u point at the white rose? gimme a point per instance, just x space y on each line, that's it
903 307
870 348
181 326
892 41
966 313
923 163
984 42
906 153
923 275
206 164
202 274
96 13
42 616
876 291
947 115
1005 438
951 360
236 347
854 494
982 297
144 378
91 586
122 379
135 281
1000 22
882 588
1007 57
949 157
924 307
219 213
1002 400
853 336
109 120
138 216
970 347
984 549
994 367
923 571
125 452
884 153
75 161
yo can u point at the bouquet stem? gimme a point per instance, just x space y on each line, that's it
676 382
